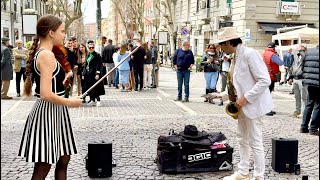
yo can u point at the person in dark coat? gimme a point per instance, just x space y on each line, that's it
311 79
137 64
107 61
6 68
91 72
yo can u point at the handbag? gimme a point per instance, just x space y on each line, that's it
277 76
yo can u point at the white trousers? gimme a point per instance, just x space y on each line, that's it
249 136
147 79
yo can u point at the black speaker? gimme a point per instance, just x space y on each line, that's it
99 159
284 154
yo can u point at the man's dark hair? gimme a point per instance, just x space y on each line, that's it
73 38
235 42
110 41
130 44
103 37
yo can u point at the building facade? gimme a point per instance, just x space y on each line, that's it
199 20
90 31
11 17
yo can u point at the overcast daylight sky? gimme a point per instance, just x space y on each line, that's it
89 8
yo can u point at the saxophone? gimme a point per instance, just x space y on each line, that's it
231 108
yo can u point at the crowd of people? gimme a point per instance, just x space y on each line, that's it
138 72
252 75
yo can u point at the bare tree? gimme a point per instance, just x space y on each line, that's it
61 8
167 9
121 7
131 13
137 11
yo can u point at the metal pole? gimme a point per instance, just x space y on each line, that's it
103 77
98 38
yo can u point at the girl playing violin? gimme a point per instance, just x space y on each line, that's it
47 137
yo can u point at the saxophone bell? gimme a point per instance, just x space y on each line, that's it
232 110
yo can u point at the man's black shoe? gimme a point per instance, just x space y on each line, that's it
154 86
186 99
269 114
315 133
221 104
178 99
273 112
304 130
136 89
291 93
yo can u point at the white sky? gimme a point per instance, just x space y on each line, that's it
89 8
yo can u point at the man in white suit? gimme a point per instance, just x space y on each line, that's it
251 80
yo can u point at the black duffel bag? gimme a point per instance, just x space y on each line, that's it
190 151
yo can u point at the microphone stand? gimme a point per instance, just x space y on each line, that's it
101 79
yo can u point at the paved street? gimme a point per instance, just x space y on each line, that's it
134 120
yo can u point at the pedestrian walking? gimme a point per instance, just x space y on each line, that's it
272 61
72 59
131 76
288 59
248 85
6 68
20 56
92 70
76 70
210 63
311 80
82 58
183 61
225 64
138 59
47 137
123 69
116 74
148 67
295 78
107 61
155 67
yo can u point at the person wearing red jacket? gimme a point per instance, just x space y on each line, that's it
273 61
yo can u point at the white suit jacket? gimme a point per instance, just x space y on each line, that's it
251 79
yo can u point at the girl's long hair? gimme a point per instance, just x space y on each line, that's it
45 24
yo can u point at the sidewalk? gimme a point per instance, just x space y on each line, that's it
134 120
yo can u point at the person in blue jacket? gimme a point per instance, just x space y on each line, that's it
183 61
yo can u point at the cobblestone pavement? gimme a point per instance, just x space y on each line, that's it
134 120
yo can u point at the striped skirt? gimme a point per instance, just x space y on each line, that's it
47 134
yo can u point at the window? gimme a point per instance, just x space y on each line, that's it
196 46
181 6
188 14
229 1
197 8
6 32
28 38
16 34
289 0
4 5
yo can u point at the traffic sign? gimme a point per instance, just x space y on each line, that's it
247 37
184 31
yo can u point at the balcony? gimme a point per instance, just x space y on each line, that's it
288 8
225 10
204 13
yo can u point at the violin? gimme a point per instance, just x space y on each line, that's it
61 54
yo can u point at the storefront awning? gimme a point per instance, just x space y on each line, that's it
271 28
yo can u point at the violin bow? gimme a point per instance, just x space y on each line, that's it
101 79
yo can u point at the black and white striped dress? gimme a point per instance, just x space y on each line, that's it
48 133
